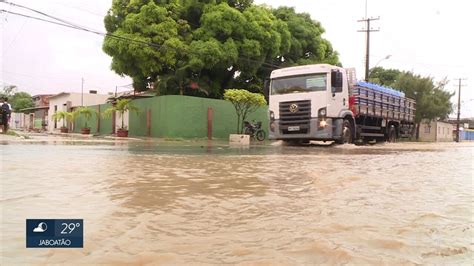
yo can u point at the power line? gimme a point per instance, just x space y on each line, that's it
83 29
68 24
42 13
367 30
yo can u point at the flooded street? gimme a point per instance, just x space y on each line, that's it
190 202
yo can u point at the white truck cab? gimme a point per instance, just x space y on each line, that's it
308 102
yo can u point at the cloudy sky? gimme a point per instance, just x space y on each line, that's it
428 37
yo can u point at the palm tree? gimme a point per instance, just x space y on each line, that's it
121 106
65 116
86 112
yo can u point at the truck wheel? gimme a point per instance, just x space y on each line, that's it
346 136
392 134
260 135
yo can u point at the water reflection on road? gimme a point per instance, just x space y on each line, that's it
148 202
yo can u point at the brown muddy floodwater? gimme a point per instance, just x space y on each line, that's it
183 203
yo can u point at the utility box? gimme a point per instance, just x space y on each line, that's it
239 139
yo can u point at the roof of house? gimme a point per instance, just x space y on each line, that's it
34 108
131 95
67 93
59 94
39 95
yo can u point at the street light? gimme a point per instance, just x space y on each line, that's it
385 58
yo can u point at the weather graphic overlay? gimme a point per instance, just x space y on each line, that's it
54 233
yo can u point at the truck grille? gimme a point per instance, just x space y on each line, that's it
301 118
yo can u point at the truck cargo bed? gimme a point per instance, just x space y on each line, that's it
382 104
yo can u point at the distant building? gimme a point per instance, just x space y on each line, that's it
436 131
33 118
467 123
68 101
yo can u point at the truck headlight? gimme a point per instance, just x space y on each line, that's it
272 115
322 123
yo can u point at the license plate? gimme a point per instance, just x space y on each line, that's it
294 128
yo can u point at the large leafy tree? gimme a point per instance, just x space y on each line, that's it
8 91
20 101
382 76
204 47
432 101
303 45
306 43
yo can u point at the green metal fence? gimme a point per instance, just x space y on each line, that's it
175 116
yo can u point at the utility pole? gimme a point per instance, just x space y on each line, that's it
367 30
82 92
459 109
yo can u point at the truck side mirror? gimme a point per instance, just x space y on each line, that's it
266 89
336 81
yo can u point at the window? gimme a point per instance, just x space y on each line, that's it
427 129
298 84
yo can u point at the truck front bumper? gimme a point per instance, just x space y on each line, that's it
331 131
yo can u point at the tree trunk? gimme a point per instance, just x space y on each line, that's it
228 78
238 124
417 130
244 116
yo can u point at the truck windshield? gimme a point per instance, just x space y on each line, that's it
296 84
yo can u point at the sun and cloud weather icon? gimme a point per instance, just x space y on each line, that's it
41 228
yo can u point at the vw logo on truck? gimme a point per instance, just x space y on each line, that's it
294 108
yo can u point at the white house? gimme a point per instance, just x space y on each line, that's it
67 101
436 131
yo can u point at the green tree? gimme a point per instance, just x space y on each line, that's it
20 101
208 46
306 43
432 101
244 102
8 91
385 77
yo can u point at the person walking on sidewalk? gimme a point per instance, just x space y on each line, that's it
6 110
